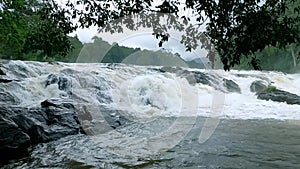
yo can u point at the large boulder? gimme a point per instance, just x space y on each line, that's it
14 142
277 95
20 127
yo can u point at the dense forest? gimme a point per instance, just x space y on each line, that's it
277 59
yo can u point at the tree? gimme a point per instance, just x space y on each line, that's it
235 28
31 25
12 27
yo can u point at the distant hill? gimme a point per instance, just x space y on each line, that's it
200 63
102 51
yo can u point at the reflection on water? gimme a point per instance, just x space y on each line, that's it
234 144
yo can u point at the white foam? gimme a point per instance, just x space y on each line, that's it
145 93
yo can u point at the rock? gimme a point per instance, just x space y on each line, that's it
51 79
242 75
33 127
22 126
258 86
58 103
5 80
194 77
103 97
115 118
62 82
169 69
100 119
2 72
7 98
279 96
231 86
14 142
197 77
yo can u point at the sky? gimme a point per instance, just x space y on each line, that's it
142 38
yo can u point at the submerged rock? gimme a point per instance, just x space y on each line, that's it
277 95
231 86
196 77
7 98
258 86
169 69
63 82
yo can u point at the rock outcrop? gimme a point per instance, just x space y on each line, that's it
279 96
194 77
231 86
20 127
258 86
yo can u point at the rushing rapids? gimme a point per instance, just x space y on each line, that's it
123 116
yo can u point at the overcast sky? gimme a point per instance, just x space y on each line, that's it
142 38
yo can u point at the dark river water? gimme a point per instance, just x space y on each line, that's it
234 144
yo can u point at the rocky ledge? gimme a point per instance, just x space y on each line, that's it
279 96
21 127
266 91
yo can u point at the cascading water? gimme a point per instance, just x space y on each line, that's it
135 116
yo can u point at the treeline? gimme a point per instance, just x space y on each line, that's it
275 59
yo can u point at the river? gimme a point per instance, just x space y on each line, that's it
166 118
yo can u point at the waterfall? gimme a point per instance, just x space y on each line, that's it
145 92
77 115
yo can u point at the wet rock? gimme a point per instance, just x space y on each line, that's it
54 120
103 97
169 69
196 77
115 118
58 103
2 72
100 119
5 80
51 79
231 86
258 86
69 71
14 142
242 75
7 98
279 96
63 83
32 127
